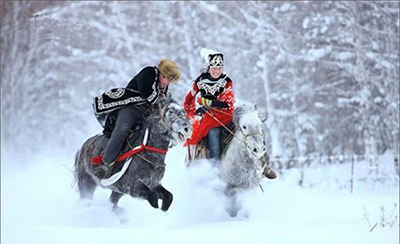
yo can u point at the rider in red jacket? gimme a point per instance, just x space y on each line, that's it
215 98
216 105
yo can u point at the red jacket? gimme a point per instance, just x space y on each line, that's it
219 89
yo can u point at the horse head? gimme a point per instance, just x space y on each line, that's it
248 123
173 117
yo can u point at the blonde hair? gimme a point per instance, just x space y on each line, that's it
169 69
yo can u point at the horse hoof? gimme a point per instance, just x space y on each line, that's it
165 207
121 214
232 212
167 201
153 199
118 210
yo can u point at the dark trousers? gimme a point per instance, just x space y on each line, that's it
126 118
214 138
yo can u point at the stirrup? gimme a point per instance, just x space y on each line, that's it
104 171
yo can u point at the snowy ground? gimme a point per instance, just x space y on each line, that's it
39 205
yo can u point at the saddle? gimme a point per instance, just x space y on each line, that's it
131 142
202 149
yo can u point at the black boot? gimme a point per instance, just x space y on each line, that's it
104 170
268 172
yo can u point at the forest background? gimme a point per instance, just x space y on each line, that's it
326 72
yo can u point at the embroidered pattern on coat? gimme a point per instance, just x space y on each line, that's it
155 89
192 91
116 94
211 89
103 106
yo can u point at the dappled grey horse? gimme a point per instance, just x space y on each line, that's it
166 126
243 165
245 160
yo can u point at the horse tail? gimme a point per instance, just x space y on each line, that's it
75 169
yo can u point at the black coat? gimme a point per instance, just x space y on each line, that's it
119 122
142 89
146 83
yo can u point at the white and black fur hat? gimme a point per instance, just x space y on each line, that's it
212 57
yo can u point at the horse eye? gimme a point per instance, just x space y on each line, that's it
244 127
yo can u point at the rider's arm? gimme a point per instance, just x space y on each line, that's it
147 84
189 103
226 99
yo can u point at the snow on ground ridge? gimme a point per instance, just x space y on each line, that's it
39 205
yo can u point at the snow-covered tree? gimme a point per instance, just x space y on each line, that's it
326 72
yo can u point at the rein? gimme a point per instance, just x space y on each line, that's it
163 122
144 147
156 165
151 149
252 133
134 151
219 122
141 148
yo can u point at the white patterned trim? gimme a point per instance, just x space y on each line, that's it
155 90
192 91
154 94
211 89
228 89
116 94
102 106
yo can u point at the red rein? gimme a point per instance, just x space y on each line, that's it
121 158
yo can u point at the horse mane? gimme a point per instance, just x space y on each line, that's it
239 112
160 106
163 102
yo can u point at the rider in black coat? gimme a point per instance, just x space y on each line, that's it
148 85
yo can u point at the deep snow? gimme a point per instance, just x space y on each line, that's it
39 205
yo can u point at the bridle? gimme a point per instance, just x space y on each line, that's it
251 133
162 119
244 142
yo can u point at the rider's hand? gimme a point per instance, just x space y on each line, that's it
204 102
200 111
219 104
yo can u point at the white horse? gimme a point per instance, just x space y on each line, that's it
243 164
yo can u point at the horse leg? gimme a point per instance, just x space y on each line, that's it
114 198
86 184
145 192
165 196
233 205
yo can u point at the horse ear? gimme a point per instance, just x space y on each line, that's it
263 116
255 106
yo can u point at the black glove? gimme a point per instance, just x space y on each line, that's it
200 111
219 104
